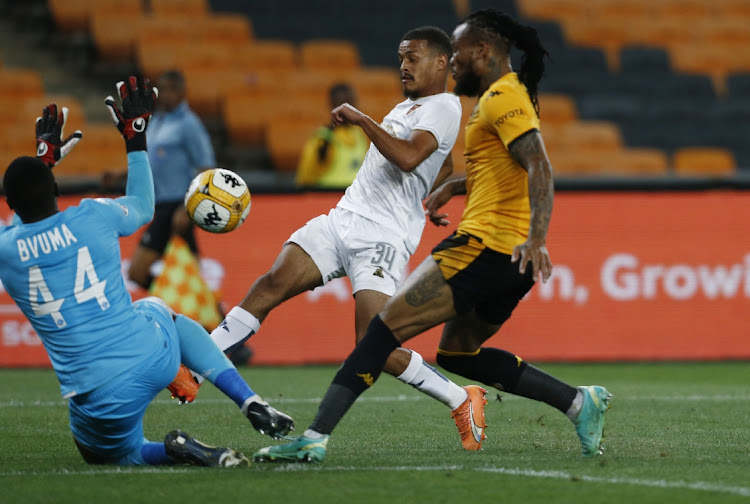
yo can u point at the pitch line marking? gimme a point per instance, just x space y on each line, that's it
397 398
702 486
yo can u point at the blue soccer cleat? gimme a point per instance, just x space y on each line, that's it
590 420
299 449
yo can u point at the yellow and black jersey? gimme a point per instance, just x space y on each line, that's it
497 202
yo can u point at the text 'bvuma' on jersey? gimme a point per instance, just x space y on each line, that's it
64 274
497 188
391 197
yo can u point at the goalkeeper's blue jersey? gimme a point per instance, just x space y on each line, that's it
64 274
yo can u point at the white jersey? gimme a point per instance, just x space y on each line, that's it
391 197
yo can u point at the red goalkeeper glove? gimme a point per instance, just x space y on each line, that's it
50 146
138 100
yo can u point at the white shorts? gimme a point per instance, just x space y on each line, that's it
343 243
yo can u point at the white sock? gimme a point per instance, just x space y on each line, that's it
430 381
575 406
249 401
309 433
237 326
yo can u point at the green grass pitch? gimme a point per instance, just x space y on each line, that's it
677 432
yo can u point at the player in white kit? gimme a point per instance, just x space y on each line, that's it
376 226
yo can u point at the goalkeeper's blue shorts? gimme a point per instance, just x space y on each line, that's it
108 421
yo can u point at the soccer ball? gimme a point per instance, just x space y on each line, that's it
217 200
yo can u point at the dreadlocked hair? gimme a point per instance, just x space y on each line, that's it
501 29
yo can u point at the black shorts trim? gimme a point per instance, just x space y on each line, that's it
481 279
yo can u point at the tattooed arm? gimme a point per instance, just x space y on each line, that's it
528 151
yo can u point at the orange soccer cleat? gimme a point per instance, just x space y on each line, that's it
184 386
469 418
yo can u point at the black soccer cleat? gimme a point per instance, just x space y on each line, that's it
268 420
185 449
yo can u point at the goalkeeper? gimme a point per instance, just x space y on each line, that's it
111 356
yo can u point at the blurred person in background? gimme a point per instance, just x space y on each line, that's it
179 148
474 279
331 157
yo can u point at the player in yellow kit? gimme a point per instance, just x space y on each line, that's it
474 279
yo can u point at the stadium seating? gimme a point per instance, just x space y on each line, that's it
206 88
267 55
557 109
285 137
329 54
624 162
71 15
703 161
113 34
100 151
248 115
19 84
180 7
630 82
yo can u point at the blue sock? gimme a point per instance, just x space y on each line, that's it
198 350
234 386
155 454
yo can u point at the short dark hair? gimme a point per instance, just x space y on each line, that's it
436 38
29 185
175 76
339 88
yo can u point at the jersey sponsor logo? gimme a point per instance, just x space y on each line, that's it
45 242
509 115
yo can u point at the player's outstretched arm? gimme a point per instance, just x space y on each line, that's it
406 154
50 146
138 99
528 151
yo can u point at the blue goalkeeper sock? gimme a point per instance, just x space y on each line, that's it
202 355
198 351
155 454
234 386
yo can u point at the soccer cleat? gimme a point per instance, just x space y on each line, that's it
268 420
184 387
188 450
299 449
590 420
469 418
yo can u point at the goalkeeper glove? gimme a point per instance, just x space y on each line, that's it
138 100
50 146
